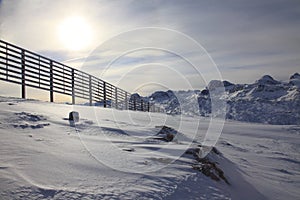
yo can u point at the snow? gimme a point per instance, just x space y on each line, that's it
112 154
264 101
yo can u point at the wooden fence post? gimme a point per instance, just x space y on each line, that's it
90 90
126 101
6 54
142 105
73 87
23 74
104 94
98 90
51 81
116 97
134 103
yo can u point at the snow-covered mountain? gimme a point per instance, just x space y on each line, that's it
264 101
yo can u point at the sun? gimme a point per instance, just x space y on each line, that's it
75 33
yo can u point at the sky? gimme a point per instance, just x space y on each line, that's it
143 46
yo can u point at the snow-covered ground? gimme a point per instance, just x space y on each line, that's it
112 154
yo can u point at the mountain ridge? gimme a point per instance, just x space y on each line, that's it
265 101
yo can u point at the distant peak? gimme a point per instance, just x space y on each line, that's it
267 79
213 84
135 95
227 83
217 84
295 76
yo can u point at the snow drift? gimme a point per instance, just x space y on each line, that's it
112 154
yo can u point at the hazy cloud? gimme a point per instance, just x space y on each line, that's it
246 39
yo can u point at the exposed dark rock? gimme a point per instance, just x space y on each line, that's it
227 83
128 149
30 117
205 92
166 133
206 166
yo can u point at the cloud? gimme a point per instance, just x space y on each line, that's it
245 39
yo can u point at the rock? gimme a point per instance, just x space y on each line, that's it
227 84
166 133
128 149
205 92
206 166
74 116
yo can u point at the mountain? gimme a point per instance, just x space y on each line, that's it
264 101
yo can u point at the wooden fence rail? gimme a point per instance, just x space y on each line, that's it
26 68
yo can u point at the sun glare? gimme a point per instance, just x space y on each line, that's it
75 33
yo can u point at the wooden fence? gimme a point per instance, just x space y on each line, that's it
26 68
